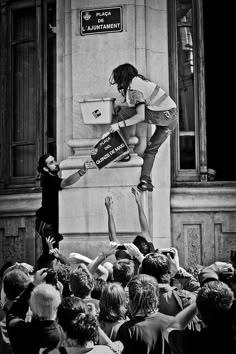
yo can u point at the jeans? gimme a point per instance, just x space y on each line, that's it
167 122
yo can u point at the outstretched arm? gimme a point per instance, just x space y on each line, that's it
142 217
111 221
96 263
75 176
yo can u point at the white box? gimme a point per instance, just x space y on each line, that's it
97 110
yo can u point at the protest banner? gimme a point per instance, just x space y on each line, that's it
109 150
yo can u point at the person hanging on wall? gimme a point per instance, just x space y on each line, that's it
146 102
47 216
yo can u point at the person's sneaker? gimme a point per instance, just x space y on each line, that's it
144 186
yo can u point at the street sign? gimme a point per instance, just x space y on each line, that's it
108 150
104 20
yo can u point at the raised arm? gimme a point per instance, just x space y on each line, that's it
142 217
181 320
96 266
75 176
111 221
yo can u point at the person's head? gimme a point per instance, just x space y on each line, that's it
63 273
6 266
69 308
112 303
14 282
122 253
142 244
143 295
83 329
214 301
123 271
44 301
48 164
122 76
99 285
157 265
81 281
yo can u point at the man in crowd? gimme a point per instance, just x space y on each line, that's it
143 333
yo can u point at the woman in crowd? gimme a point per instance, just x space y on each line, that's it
112 309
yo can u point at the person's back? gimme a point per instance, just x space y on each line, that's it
113 310
208 340
43 330
14 282
171 299
143 333
82 285
214 303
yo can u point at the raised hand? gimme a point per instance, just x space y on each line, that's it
108 202
50 241
136 195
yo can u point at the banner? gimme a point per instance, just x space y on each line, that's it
108 150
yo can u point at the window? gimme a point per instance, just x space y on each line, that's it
187 88
199 72
28 108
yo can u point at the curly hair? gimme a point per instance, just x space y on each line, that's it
63 273
214 301
122 76
83 329
123 271
157 265
143 294
112 303
81 281
69 308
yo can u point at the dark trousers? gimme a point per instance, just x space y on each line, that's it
47 230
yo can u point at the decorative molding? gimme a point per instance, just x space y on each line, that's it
19 204
192 244
225 241
206 199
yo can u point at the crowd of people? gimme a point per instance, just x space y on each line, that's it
131 298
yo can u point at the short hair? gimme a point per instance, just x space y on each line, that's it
81 281
44 301
99 285
14 282
68 309
214 301
143 294
83 329
42 163
112 303
123 271
157 265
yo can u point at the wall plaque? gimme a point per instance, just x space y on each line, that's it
104 20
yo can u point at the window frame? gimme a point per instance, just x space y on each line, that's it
199 174
9 182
